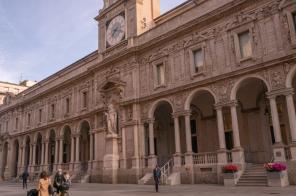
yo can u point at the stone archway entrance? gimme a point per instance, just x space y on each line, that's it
164 132
84 145
255 124
203 123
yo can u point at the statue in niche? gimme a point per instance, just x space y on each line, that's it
111 119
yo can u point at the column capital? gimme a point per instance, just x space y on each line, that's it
284 91
150 120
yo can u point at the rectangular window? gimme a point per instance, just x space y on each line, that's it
67 106
198 59
294 20
6 126
84 99
245 46
52 110
0 128
29 119
40 115
160 74
16 123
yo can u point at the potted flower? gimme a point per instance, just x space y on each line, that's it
230 175
277 175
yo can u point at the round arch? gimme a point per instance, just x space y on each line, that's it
196 92
156 104
290 77
241 80
27 143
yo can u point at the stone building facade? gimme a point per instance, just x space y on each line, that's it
205 84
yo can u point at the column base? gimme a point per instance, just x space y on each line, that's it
293 151
238 155
152 161
177 160
279 152
136 162
189 159
222 156
122 163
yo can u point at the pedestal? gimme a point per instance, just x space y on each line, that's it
278 179
279 153
152 161
238 156
230 179
293 151
177 160
222 157
111 160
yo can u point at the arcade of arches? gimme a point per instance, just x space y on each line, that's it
206 132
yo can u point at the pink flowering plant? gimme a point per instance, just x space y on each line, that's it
275 167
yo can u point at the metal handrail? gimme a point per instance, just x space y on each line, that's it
166 171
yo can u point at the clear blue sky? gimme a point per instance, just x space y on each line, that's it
40 37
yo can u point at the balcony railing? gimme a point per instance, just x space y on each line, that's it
205 158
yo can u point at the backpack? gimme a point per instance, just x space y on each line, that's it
32 192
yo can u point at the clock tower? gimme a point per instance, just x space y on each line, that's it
122 20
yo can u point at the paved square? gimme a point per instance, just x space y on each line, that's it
9 189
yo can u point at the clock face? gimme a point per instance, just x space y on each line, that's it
116 30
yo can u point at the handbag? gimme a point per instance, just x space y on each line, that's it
50 189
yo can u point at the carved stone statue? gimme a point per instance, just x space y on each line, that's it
111 119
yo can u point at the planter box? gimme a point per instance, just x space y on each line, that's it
230 179
278 179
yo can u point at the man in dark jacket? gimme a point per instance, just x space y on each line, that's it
59 179
156 176
25 177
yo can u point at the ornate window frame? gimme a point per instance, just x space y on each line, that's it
192 49
155 64
292 27
235 33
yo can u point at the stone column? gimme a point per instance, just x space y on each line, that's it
237 152
136 160
77 149
278 147
292 115
222 156
46 153
188 157
123 146
34 154
19 165
72 149
61 151
42 153
72 158
23 155
292 122
91 150
177 155
152 158
56 155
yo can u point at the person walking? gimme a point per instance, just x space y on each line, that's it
25 177
156 176
59 180
43 185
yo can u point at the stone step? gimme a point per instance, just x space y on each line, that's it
252 184
252 180
253 177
